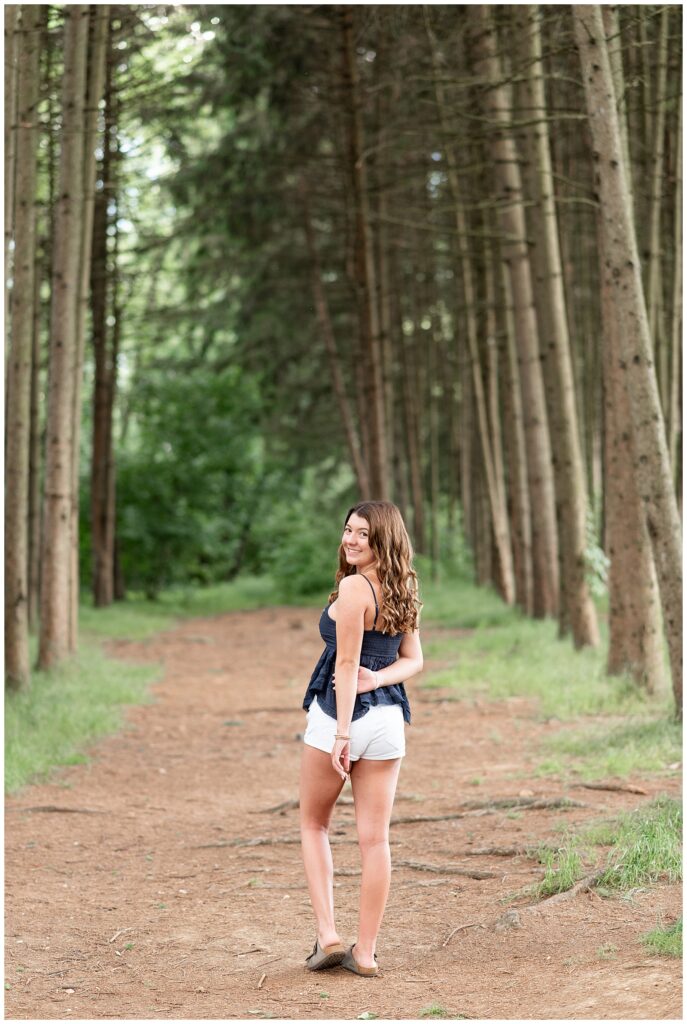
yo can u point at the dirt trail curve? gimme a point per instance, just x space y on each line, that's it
135 900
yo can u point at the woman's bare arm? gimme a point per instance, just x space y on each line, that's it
350 625
409 663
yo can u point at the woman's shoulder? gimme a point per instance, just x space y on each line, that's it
353 585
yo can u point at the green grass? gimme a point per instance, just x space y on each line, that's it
510 655
66 709
645 847
563 868
437 1012
665 941
138 618
525 657
600 749
457 603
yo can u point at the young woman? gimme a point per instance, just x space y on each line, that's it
357 707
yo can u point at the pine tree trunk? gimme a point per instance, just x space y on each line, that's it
411 420
41 329
17 669
623 275
35 450
385 170
511 217
433 409
11 31
496 497
674 423
571 497
507 585
102 552
654 290
327 332
634 624
366 273
57 547
521 529
97 49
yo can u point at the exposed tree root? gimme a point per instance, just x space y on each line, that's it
529 803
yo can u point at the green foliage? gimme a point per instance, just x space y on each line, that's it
509 654
299 536
562 868
455 602
81 700
665 941
437 1012
186 491
597 750
596 560
645 847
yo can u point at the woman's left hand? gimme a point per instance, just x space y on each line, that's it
367 680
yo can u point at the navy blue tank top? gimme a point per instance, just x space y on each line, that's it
377 651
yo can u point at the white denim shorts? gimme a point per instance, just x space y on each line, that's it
378 735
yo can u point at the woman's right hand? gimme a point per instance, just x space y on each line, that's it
341 758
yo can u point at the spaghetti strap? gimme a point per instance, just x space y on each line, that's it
375 597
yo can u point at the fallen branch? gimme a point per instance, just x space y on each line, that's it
411 819
500 851
262 978
120 932
289 805
612 787
444 869
286 805
460 928
530 803
54 809
262 841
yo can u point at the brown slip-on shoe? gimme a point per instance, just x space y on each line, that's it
350 963
330 956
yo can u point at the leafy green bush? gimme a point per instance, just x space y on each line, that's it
300 537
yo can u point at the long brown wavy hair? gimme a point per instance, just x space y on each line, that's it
390 543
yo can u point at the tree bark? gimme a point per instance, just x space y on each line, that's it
622 273
571 497
99 34
634 622
327 332
521 529
366 274
56 557
674 423
11 31
515 254
101 460
654 287
496 502
17 668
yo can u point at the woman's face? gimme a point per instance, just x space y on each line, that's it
356 543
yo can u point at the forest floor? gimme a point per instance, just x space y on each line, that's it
158 881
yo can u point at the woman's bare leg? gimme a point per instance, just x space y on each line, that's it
320 786
374 788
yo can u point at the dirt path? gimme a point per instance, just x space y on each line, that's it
142 904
